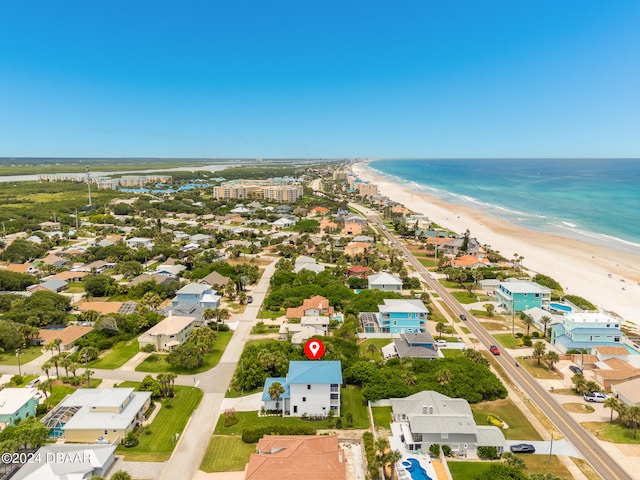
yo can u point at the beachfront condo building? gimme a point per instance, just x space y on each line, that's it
279 191
519 295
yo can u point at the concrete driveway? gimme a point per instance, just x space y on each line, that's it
543 447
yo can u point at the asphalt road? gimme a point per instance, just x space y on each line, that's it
601 462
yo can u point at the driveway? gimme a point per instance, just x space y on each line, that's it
560 447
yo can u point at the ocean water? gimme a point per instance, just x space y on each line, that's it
595 200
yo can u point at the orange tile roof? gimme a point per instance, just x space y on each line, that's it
297 457
19 267
100 307
68 275
468 260
316 301
67 335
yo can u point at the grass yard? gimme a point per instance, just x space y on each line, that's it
506 340
495 325
226 454
578 408
465 330
538 371
251 419
75 287
426 262
353 402
467 470
158 439
118 355
157 363
26 355
541 464
611 432
268 314
382 417
464 297
508 412
378 343
451 352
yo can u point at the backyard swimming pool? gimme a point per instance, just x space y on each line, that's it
415 469
560 307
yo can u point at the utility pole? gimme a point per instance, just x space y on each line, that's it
18 353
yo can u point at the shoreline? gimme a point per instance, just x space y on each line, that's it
580 267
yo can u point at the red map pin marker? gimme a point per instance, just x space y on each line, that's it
314 349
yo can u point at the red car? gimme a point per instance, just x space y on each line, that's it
493 349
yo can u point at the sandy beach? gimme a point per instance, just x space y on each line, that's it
581 268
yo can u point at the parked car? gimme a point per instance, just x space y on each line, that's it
249 299
33 382
575 369
493 349
523 448
441 343
463 318
596 397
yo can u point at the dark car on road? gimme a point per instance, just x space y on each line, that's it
523 448
463 318
495 350
575 369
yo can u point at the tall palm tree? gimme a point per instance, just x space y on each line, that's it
545 320
393 457
372 349
88 373
444 376
633 417
275 390
612 403
46 366
528 321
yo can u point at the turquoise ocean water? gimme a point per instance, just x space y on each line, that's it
595 200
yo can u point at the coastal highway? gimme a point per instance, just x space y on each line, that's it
582 440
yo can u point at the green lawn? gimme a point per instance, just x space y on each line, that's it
353 402
467 470
508 412
451 352
157 445
464 297
538 371
427 262
378 343
226 454
26 355
157 363
465 330
382 417
118 356
611 432
268 315
75 287
251 419
506 340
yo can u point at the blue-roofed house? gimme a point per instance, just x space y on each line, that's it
585 330
311 388
196 294
402 316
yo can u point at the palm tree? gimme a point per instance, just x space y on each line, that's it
552 357
393 457
46 366
203 338
372 349
612 403
73 368
633 417
441 327
171 378
538 350
409 379
121 475
88 373
489 307
275 390
58 343
528 321
579 381
444 376
545 320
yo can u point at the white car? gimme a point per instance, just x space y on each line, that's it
596 397
441 343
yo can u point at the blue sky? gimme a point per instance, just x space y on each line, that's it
391 79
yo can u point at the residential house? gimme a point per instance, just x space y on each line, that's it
586 330
284 222
103 308
328 226
428 417
402 316
416 345
385 281
471 261
354 225
170 270
311 388
54 261
614 370
519 295
358 271
356 248
98 415
85 461
68 335
216 280
316 305
169 333
162 280
17 404
297 456
307 263
628 392
457 246
197 294
363 238
200 238
297 333
140 242
54 285
69 276
27 268
318 212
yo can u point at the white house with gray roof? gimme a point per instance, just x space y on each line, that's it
429 417
385 281
169 333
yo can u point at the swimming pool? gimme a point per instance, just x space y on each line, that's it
415 469
559 306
